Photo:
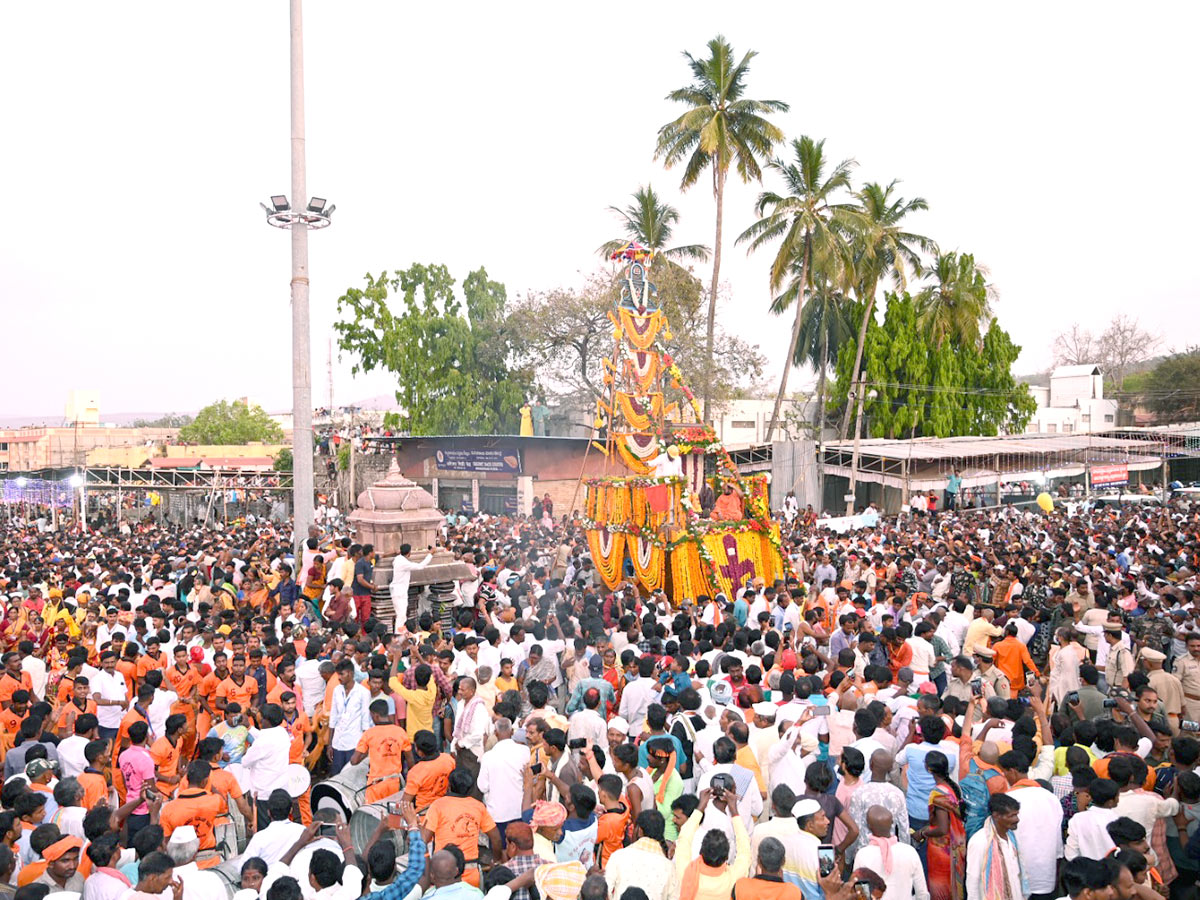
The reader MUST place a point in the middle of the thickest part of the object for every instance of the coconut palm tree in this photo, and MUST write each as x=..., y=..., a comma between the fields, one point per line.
x=721, y=127
x=826, y=324
x=814, y=226
x=651, y=222
x=957, y=304
x=883, y=249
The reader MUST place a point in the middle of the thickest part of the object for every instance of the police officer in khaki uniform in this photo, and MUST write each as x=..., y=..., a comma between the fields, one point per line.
x=990, y=674
x=1187, y=670
x=1119, y=664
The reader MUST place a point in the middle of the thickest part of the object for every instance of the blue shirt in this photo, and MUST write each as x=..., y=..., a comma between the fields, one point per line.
x=741, y=611
x=953, y=483
x=406, y=880
x=920, y=782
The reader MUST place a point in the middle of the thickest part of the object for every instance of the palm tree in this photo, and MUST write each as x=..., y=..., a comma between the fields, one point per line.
x=720, y=127
x=651, y=222
x=826, y=324
x=883, y=249
x=813, y=226
x=957, y=304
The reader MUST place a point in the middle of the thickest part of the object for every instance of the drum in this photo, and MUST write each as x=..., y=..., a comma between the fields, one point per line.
x=298, y=780
x=343, y=792
x=364, y=822
x=230, y=873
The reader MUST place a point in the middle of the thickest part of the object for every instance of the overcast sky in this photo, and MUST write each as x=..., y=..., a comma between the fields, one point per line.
x=1052, y=140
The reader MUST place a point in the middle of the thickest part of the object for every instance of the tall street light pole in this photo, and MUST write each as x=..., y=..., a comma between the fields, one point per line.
x=302, y=432
x=299, y=221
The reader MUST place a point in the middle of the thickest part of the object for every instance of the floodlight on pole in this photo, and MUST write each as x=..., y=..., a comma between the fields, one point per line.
x=299, y=221
x=75, y=481
x=22, y=481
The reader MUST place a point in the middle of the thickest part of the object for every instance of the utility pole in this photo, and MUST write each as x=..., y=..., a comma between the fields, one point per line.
x=302, y=431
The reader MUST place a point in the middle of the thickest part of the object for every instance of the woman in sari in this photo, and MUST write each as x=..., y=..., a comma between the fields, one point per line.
x=945, y=836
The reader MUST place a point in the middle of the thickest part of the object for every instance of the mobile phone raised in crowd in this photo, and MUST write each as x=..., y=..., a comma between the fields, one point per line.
x=536, y=768
x=826, y=859
x=977, y=688
x=862, y=890
x=1072, y=698
x=576, y=743
x=1189, y=725
x=822, y=710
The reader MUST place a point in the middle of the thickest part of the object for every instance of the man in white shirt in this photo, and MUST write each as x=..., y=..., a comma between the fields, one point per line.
x=638, y=695
x=1039, y=833
x=996, y=834
x=70, y=750
x=899, y=865
x=274, y=841
x=349, y=715
x=35, y=667
x=923, y=654
x=501, y=775
x=402, y=569
x=110, y=693
x=267, y=758
x=312, y=674
x=1087, y=831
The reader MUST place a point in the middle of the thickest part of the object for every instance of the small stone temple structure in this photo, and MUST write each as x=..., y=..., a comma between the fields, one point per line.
x=395, y=511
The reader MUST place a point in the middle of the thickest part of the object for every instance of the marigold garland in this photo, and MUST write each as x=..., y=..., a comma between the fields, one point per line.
x=608, y=558
x=648, y=562
x=640, y=412
x=640, y=331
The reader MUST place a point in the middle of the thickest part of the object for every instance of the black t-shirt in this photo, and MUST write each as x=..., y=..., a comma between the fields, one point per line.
x=364, y=568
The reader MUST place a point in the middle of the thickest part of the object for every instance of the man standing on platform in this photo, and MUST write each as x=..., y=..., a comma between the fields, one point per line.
x=402, y=569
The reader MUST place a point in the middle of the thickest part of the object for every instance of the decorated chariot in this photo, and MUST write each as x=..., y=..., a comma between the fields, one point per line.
x=685, y=520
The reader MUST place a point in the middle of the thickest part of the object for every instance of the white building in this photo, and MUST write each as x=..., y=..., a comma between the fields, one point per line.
x=1073, y=402
x=745, y=422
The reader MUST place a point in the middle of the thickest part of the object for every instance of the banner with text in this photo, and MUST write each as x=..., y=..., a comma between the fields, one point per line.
x=1116, y=474
x=507, y=462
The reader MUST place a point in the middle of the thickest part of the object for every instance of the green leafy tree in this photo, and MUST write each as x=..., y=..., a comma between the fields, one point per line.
x=917, y=390
x=283, y=460
x=651, y=223
x=452, y=358
x=224, y=422
x=565, y=334
x=170, y=420
x=1172, y=388
x=957, y=304
x=882, y=249
x=811, y=221
x=721, y=127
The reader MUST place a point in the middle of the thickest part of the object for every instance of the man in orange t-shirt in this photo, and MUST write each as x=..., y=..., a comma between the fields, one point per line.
x=429, y=778
x=299, y=727
x=153, y=658
x=185, y=679
x=12, y=717
x=386, y=745
x=1012, y=658
x=165, y=753
x=209, y=712
x=93, y=779
x=13, y=679
x=198, y=807
x=220, y=781
x=238, y=688
x=458, y=819
x=80, y=704
x=285, y=681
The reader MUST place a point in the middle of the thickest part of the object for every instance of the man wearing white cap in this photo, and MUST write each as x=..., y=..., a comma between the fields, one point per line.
x=800, y=866
x=764, y=735
x=198, y=884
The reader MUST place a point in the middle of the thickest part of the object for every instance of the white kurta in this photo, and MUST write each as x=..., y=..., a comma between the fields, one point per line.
x=402, y=569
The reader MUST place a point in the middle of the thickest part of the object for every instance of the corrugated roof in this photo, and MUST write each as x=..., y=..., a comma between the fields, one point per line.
x=967, y=446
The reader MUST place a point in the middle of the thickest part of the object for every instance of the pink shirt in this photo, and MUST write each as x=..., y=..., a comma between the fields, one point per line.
x=136, y=768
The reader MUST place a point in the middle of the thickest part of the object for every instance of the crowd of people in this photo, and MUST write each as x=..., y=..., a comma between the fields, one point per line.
x=967, y=705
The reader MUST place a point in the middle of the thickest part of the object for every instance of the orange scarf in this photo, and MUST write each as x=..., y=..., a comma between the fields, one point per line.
x=689, y=887
x=661, y=793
